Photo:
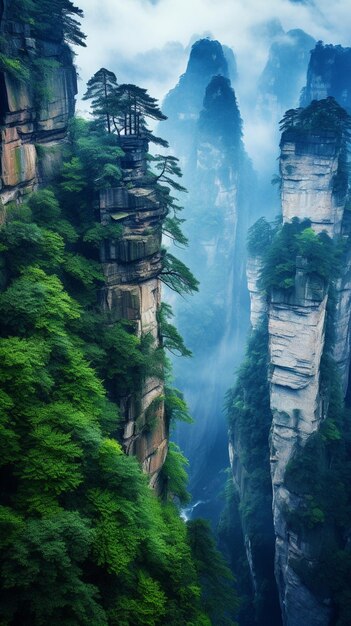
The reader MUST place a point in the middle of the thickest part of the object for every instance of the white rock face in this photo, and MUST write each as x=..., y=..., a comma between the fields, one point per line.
x=342, y=327
x=308, y=166
x=258, y=299
x=296, y=333
x=308, y=169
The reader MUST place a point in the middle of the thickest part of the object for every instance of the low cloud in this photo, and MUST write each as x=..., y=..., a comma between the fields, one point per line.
x=120, y=32
x=147, y=41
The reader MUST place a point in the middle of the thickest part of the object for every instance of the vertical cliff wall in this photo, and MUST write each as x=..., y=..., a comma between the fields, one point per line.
x=310, y=165
x=36, y=104
x=132, y=292
x=299, y=282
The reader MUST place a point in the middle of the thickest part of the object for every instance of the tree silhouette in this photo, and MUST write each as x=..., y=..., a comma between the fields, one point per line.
x=101, y=90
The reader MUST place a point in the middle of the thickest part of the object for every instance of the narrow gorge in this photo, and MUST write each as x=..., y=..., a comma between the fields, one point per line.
x=139, y=488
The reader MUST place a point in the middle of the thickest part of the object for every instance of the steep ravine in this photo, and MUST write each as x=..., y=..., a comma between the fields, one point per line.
x=214, y=323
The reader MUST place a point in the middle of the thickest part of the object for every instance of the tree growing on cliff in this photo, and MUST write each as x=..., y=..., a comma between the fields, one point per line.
x=122, y=109
x=132, y=105
x=101, y=91
x=54, y=19
x=320, y=115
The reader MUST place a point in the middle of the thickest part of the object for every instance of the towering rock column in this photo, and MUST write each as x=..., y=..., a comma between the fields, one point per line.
x=132, y=292
x=310, y=165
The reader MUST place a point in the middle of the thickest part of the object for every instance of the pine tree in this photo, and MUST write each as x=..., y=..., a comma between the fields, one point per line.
x=137, y=105
x=101, y=91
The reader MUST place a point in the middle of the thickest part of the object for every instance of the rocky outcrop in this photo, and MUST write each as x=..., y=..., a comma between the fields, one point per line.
x=258, y=299
x=310, y=165
x=34, y=110
x=131, y=267
x=342, y=326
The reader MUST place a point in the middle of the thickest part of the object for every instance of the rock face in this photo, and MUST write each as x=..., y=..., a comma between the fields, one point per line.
x=329, y=74
x=309, y=164
x=258, y=300
x=342, y=327
x=132, y=292
x=35, y=111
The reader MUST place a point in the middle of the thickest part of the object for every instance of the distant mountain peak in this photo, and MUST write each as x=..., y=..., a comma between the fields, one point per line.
x=207, y=56
x=329, y=74
x=183, y=104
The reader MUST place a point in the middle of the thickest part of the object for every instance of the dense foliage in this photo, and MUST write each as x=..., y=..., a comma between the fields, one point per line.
x=52, y=19
x=250, y=420
x=319, y=116
x=122, y=108
x=282, y=246
x=83, y=538
x=77, y=514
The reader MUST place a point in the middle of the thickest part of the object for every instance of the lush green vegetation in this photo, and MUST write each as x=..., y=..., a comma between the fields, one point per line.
x=122, y=108
x=250, y=420
x=217, y=597
x=319, y=116
x=259, y=237
x=77, y=515
x=52, y=19
x=280, y=246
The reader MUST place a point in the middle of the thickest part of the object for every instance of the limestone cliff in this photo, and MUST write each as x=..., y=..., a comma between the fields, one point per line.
x=258, y=300
x=309, y=165
x=305, y=353
x=34, y=109
x=131, y=266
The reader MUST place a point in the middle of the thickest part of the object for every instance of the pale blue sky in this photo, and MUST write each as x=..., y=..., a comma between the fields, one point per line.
x=126, y=35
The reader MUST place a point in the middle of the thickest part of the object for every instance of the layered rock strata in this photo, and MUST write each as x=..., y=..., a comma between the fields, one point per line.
x=258, y=299
x=34, y=111
x=131, y=266
x=309, y=166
